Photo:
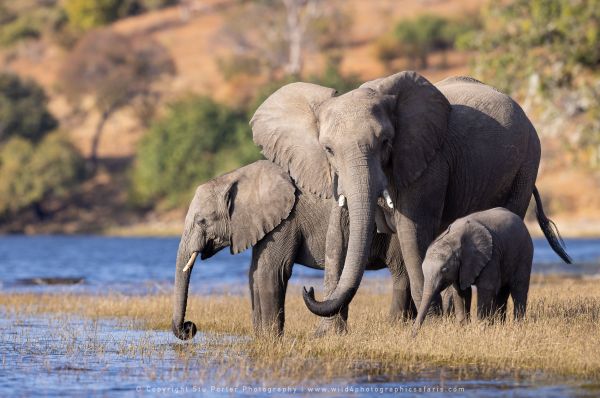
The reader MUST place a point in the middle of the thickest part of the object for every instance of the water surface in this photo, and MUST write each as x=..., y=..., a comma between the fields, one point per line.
x=140, y=264
x=73, y=357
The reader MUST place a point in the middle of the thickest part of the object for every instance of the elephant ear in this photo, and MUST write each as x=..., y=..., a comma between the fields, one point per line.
x=421, y=112
x=259, y=196
x=476, y=252
x=285, y=127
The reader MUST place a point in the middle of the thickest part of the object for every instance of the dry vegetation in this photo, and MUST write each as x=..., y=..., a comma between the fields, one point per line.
x=559, y=336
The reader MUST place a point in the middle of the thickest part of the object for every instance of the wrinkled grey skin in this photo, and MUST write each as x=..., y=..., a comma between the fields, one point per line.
x=441, y=151
x=259, y=206
x=492, y=250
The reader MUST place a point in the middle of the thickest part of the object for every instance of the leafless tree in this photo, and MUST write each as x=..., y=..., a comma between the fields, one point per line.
x=116, y=71
x=278, y=33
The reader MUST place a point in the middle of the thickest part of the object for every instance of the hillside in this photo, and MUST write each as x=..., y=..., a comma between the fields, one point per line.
x=193, y=39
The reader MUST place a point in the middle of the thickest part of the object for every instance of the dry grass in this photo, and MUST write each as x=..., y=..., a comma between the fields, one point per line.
x=561, y=334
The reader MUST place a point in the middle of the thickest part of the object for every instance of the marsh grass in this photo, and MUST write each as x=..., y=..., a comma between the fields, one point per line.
x=561, y=335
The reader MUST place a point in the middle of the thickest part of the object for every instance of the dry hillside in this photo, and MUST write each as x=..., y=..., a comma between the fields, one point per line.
x=192, y=38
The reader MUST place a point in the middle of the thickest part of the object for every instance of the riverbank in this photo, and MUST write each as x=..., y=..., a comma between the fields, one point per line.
x=569, y=227
x=559, y=336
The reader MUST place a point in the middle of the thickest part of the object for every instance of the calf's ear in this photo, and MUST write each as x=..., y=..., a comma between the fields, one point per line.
x=476, y=252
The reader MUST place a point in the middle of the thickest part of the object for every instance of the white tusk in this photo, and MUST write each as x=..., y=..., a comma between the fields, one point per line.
x=342, y=201
x=388, y=199
x=190, y=263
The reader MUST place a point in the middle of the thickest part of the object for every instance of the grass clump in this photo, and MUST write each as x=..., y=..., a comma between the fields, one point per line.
x=559, y=336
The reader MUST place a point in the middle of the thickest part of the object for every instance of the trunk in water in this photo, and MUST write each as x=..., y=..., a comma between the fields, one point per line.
x=183, y=330
x=361, y=210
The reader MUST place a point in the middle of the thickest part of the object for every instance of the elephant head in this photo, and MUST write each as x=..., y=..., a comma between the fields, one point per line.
x=237, y=210
x=458, y=255
x=375, y=139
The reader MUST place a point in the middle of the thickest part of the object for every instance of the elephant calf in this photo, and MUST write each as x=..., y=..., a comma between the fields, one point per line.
x=259, y=206
x=490, y=249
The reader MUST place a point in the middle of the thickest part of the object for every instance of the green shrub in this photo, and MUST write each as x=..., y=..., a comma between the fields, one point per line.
x=30, y=173
x=547, y=51
x=417, y=38
x=21, y=21
x=197, y=139
x=23, y=110
x=87, y=14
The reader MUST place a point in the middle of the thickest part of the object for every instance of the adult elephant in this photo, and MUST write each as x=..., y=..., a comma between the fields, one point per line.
x=258, y=206
x=436, y=153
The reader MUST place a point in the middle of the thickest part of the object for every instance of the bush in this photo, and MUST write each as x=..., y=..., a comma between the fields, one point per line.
x=31, y=174
x=25, y=21
x=547, y=52
x=417, y=38
x=87, y=14
x=197, y=139
x=23, y=110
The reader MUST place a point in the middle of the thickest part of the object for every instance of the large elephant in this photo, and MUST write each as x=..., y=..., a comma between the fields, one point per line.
x=434, y=152
x=259, y=206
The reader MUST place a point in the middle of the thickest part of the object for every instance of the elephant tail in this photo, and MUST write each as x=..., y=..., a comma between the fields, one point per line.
x=550, y=230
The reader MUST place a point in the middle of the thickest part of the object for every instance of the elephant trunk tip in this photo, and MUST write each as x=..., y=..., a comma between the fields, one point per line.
x=326, y=308
x=185, y=331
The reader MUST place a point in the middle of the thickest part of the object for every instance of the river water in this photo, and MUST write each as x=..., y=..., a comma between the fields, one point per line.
x=139, y=264
x=75, y=357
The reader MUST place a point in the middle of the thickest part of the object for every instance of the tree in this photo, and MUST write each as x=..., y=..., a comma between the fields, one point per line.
x=420, y=36
x=33, y=173
x=115, y=70
x=288, y=29
x=195, y=141
x=29, y=19
x=87, y=14
x=23, y=109
x=546, y=52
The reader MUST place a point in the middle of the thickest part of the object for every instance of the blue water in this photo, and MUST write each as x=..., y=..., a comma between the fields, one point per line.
x=74, y=357
x=66, y=357
x=136, y=264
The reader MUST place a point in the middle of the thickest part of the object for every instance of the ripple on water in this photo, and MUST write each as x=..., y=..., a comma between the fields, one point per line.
x=70, y=356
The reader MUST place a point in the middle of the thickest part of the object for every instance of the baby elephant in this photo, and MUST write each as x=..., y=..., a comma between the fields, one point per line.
x=490, y=249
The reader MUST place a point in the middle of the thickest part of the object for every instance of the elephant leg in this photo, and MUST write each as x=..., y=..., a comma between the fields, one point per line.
x=467, y=296
x=485, y=303
x=501, y=303
x=458, y=300
x=254, y=296
x=402, y=308
x=269, y=279
x=418, y=219
x=519, y=296
x=448, y=301
x=335, y=250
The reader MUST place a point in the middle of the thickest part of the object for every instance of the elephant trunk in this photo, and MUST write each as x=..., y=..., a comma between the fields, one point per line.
x=429, y=292
x=362, y=199
x=183, y=271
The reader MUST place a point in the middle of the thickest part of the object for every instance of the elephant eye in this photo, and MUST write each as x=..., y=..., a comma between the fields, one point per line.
x=328, y=150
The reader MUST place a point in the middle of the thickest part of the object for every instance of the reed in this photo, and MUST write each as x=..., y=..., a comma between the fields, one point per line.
x=560, y=335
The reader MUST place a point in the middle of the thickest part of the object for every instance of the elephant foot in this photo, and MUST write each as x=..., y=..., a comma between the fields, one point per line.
x=334, y=325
